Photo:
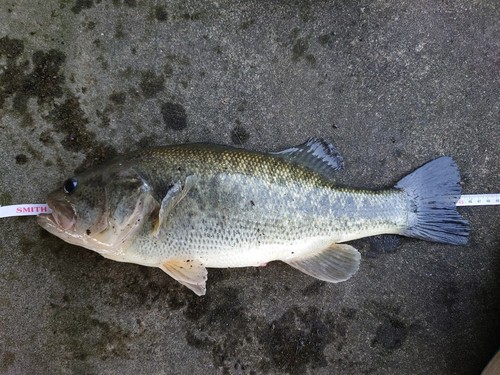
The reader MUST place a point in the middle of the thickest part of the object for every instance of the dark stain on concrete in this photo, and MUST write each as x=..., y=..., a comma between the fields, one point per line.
x=385, y=244
x=97, y=43
x=120, y=31
x=227, y=312
x=84, y=336
x=44, y=82
x=33, y=151
x=78, y=332
x=27, y=120
x=148, y=141
x=174, y=116
x=168, y=70
x=161, y=13
x=346, y=316
x=90, y=25
x=130, y=3
x=192, y=16
x=242, y=106
x=21, y=159
x=299, y=48
x=176, y=298
x=11, y=80
x=314, y=288
x=327, y=40
x=218, y=49
x=81, y=5
x=146, y=287
x=46, y=138
x=68, y=118
x=181, y=60
x=81, y=333
x=5, y=199
x=311, y=59
x=220, y=325
x=104, y=116
x=145, y=291
x=305, y=13
x=297, y=340
x=103, y=62
x=449, y=295
x=151, y=84
x=239, y=135
x=37, y=250
x=391, y=334
x=143, y=288
x=11, y=48
x=246, y=24
x=118, y=98
x=8, y=359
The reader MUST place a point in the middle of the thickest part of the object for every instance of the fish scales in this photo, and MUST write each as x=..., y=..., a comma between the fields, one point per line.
x=247, y=200
x=184, y=208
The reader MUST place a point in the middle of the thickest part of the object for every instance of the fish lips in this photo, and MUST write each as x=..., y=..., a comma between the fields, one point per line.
x=63, y=215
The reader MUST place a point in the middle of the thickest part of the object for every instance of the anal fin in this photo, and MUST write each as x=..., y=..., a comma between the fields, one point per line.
x=189, y=272
x=336, y=263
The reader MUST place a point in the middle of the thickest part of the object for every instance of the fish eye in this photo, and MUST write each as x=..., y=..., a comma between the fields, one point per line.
x=70, y=185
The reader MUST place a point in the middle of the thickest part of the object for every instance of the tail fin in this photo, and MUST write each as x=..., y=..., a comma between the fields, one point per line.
x=433, y=191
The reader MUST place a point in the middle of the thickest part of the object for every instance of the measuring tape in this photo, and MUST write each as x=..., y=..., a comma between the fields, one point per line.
x=24, y=210
x=37, y=209
x=479, y=200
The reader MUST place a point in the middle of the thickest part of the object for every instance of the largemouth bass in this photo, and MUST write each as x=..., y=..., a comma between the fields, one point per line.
x=184, y=208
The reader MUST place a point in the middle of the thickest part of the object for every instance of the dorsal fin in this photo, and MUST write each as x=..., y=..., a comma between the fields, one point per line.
x=316, y=154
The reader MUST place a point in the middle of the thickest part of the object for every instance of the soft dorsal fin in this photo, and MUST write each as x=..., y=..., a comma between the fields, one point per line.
x=316, y=154
x=336, y=263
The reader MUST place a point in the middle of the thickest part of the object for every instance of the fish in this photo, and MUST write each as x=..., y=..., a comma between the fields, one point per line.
x=493, y=366
x=185, y=208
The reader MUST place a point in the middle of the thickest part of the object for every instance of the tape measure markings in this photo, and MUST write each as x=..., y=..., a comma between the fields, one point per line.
x=479, y=200
x=36, y=209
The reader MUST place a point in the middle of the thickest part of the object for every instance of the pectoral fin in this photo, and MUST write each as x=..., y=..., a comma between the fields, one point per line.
x=188, y=272
x=336, y=263
x=174, y=195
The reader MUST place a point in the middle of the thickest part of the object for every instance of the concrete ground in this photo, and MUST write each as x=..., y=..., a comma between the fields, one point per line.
x=394, y=84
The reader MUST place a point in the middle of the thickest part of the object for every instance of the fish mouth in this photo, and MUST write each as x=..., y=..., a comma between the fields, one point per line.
x=63, y=215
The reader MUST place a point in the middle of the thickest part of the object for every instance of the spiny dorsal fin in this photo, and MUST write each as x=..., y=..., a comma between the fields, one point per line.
x=316, y=154
x=336, y=263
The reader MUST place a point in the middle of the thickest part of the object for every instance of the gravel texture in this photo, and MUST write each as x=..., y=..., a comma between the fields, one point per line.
x=394, y=84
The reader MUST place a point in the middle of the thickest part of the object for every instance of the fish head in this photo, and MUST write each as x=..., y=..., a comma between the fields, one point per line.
x=101, y=209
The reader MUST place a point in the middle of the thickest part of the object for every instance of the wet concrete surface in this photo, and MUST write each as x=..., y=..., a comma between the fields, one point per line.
x=394, y=84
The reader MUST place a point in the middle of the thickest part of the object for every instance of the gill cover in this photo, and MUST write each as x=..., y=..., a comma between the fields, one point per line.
x=109, y=207
x=129, y=201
